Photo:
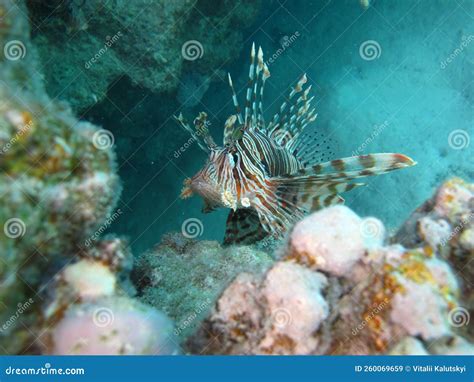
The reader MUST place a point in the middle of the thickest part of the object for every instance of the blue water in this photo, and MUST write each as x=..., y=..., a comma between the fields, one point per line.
x=410, y=92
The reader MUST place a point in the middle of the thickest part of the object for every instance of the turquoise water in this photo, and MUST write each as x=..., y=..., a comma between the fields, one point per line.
x=393, y=77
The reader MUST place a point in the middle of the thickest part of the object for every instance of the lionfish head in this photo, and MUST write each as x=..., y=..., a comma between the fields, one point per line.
x=214, y=181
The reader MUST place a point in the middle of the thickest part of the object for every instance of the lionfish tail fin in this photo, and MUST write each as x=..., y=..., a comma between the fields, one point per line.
x=356, y=167
x=293, y=117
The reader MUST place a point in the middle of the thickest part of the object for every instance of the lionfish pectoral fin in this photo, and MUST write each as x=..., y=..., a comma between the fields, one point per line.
x=202, y=130
x=309, y=193
x=356, y=167
x=208, y=207
x=243, y=227
x=196, y=136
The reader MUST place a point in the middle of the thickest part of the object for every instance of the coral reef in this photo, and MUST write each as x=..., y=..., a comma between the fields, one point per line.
x=103, y=40
x=59, y=187
x=445, y=223
x=89, y=311
x=340, y=289
x=193, y=273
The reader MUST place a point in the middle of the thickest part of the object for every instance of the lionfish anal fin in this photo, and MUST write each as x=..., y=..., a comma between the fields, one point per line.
x=243, y=227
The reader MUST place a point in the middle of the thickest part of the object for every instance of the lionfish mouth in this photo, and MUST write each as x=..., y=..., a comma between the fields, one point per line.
x=186, y=191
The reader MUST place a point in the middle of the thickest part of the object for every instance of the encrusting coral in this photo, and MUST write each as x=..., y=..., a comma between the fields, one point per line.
x=340, y=289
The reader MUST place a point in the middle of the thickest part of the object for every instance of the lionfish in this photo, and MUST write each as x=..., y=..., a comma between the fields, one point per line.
x=263, y=172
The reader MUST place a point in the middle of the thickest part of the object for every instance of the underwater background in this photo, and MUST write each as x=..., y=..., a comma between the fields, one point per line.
x=395, y=76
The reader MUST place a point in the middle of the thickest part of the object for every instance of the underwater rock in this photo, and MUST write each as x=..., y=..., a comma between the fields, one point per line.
x=445, y=224
x=192, y=272
x=276, y=314
x=404, y=292
x=88, y=312
x=295, y=309
x=452, y=345
x=149, y=41
x=89, y=279
x=334, y=239
x=112, y=325
x=409, y=346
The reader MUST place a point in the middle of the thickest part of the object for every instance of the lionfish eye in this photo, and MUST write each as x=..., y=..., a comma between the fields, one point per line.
x=233, y=158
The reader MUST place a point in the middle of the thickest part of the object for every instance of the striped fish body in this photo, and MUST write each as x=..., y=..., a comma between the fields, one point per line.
x=263, y=171
x=239, y=176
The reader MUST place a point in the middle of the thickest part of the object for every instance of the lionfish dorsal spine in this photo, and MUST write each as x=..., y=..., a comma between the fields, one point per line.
x=235, y=100
x=248, y=97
